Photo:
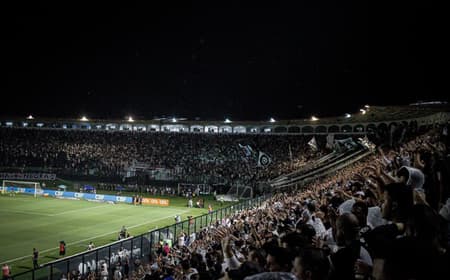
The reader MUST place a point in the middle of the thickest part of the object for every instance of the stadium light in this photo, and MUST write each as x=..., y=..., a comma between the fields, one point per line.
x=313, y=118
x=174, y=120
x=363, y=111
x=227, y=120
x=84, y=119
x=130, y=119
x=272, y=120
x=347, y=115
x=30, y=117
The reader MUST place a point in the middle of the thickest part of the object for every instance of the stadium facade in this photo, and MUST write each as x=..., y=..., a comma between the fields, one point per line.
x=372, y=119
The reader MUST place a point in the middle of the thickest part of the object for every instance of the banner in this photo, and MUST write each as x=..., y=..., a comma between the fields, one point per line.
x=76, y=195
x=155, y=201
x=89, y=196
x=27, y=176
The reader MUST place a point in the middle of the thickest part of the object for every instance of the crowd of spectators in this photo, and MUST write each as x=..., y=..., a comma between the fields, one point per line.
x=103, y=153
x=385, y=217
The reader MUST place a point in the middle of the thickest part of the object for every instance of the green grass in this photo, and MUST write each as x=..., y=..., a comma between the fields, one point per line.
x=28, y=222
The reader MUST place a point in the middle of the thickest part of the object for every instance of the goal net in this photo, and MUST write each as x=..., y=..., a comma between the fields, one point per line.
x=236, y=193
x=13, y=187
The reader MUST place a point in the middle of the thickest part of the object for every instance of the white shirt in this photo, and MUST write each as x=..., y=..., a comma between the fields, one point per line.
x=192, y=237
x=181, y=241
x=117, y=275
x=104, y=274
x=318, y=226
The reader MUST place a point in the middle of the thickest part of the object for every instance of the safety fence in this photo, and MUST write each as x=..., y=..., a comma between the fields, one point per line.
x=137, y=250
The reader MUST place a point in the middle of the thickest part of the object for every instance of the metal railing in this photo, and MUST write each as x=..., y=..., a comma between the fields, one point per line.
x=137, y=250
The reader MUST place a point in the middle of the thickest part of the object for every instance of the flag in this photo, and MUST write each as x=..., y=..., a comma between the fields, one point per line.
x=290, y=152
x=402, y=136
x=391, y=134
x=346, y=144
x=330, y=141
x=313, y=144
x=263, y=159
x=248, y=151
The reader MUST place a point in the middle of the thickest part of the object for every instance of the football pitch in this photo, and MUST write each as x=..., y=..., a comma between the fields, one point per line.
x=28, y=222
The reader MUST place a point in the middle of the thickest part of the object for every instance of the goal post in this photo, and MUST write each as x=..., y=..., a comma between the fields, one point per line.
x=12, y=186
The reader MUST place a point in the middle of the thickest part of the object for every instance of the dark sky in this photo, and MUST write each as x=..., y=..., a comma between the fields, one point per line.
x=242, y=62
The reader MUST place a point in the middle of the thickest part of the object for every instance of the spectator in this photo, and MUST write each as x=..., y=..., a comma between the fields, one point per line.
x=91, y=246
x=311, y=264
x=351, y=251
x=62, y=248
x=104, y=272
x=278, y=260
x=6, y=271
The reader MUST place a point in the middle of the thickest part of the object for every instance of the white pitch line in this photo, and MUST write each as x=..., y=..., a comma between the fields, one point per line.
x=50, y=215
x=77, y=210
x=91, y=238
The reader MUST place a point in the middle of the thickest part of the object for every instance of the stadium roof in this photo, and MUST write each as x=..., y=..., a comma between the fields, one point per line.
x=373, y=114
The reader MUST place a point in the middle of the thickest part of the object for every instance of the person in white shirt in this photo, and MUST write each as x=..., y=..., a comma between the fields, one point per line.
x=181, y=240
x=104, y=272
x=117, y=274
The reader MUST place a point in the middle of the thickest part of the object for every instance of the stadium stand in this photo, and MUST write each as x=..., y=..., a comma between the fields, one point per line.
x=374, y=218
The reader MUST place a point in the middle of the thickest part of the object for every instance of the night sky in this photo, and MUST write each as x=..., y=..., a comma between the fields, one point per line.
x=241, y=62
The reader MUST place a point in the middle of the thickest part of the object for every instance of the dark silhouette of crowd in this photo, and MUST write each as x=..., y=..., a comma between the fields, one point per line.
x=385, y=217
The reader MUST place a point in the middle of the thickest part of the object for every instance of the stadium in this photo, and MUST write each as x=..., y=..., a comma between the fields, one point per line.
x=135, y=188
x=151, y=140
